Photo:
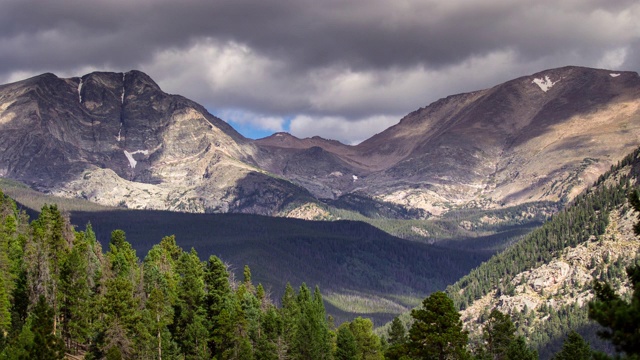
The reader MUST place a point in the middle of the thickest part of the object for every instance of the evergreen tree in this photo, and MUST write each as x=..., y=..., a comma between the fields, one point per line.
x=18, y=348
x=161, y=286
x=397, y=339
x=290, y=312
x=246, y=274
x=46, y=345
x=75, y=292
x=122, y=257
x=311, y=339
x=621, y=319
x=437, y=330
x=498, y=333
x=230, y=330
x=574, y=348
x=218, y=292
x=369, y=347
x=518, y=349
x=5, y=309
x=191, y=327
x=346, y=346
x=45, y=254
x=194, y=340
x=161, y=315
x=270, y=344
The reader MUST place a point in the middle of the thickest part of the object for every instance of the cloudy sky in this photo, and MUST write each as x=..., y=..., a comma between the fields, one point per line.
x=341, y=69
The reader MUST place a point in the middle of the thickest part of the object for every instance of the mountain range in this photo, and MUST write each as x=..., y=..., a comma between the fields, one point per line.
x=117, y=139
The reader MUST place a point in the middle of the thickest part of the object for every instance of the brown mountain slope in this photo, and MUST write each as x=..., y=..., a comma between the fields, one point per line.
x=539, y=137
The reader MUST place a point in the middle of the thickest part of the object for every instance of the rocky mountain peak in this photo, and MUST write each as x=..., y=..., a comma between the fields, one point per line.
x=541, y=137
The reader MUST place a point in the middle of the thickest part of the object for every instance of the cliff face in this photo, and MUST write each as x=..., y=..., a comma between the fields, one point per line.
x=117, y=139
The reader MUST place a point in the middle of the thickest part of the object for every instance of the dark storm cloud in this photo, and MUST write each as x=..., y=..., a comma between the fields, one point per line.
x=319, y=58
x=357, y=34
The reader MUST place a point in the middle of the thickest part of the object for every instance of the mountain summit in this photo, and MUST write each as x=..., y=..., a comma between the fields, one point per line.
x=540, y=137
x=117, y=139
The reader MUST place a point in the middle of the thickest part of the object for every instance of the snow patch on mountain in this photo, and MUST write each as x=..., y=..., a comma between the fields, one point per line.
x=132, y=161
x=544, y=83
x=124, y=75
x=613, y=75
x=80, y=91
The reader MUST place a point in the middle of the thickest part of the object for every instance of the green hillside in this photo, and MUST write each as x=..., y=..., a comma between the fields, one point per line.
x=583, y=227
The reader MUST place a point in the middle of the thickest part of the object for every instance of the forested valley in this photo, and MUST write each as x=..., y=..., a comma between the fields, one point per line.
x=62, y=294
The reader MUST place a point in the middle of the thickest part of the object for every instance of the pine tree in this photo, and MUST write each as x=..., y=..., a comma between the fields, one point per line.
x=346, y=346
x=621, y=319
x=5, y=309
x=369, y=347
x=518, y=349
x=191, y=327
x=75, y=291
x=290, y=312
x=161, y=314
x=19, y=347
x=498, y=333
x=121, y=332
x=311, y=339
x=397, y=339
x=122, y=257
x=218, y=293
x=437, y=330
x=270, y=344
x=46, y=345
x=574, y=348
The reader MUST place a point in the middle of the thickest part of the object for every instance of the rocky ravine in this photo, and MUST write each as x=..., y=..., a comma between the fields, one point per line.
x=117, y=139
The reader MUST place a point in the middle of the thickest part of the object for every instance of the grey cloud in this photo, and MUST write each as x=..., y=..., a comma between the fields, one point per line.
x=302, y=51
x=307, y=33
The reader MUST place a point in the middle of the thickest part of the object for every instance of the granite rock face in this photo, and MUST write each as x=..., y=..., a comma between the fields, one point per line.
x=117, y=139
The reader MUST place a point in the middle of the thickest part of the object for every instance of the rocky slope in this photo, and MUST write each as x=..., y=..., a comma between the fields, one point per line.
x=545, y=281
x=541, y=137
x=566, y=280
x=117, y=139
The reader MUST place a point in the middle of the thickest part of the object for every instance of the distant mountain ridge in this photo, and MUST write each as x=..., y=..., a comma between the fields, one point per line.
x=539, y=137
x=118, y=140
